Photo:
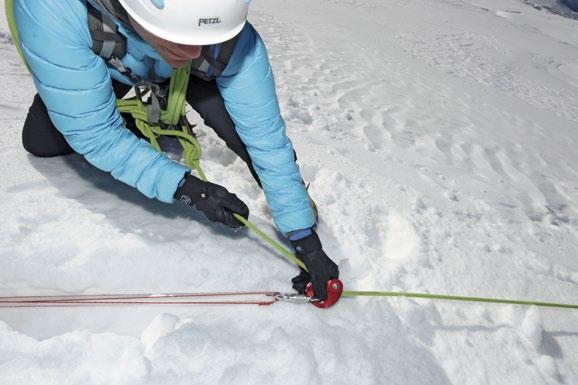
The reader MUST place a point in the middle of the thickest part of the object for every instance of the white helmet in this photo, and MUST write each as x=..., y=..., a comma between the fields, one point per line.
x=191, y=22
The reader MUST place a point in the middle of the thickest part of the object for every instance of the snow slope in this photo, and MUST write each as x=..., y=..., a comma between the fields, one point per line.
x=440, y=137
x=566, y=8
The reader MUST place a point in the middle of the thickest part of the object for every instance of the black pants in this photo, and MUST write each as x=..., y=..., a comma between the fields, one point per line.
x=40, y=137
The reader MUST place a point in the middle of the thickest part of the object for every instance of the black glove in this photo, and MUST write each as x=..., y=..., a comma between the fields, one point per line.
x=213, y=200
x=321, y=268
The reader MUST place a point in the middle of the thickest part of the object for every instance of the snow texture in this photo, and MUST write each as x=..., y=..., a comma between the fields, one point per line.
x=566, y=8
x=440, y=138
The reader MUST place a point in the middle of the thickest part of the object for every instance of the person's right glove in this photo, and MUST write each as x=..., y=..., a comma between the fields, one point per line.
x=215, y=201
x=321, y=268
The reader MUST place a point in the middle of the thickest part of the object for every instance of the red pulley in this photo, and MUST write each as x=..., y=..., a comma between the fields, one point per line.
x=334, y=291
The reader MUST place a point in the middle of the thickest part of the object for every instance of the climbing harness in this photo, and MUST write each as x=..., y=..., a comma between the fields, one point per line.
x=104, y=17
x=107, y=42
x=153, y=121
x=161, y=112
x=155, y=115
x=157, y=111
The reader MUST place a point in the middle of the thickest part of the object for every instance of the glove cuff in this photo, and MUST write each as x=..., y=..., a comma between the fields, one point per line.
x=190, y=190
x=309, y=244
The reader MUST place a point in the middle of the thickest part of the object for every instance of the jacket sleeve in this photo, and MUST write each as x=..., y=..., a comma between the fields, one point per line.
x=76, y=87
x=248, y=88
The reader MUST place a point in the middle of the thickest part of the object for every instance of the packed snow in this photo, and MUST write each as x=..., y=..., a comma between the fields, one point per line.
x=440, y=138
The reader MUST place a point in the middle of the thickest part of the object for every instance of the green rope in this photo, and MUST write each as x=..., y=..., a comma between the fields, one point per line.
x=174, y=116
x=178, y=93
x=277, y=246
x=273, y=243
x=455, y=298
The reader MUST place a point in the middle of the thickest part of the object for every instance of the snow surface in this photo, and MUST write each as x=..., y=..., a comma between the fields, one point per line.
x=567, y=8
x=441, y=139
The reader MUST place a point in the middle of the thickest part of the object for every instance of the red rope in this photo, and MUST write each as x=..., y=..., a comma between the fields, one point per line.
x=134, y=299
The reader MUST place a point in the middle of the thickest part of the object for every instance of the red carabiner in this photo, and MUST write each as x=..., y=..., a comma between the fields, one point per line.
x=334, y=291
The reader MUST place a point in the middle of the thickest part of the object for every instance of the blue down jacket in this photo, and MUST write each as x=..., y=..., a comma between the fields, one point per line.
x=75, y=84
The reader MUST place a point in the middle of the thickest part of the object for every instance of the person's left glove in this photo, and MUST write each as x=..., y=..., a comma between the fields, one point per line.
x=215, y=201
x=321, y=268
